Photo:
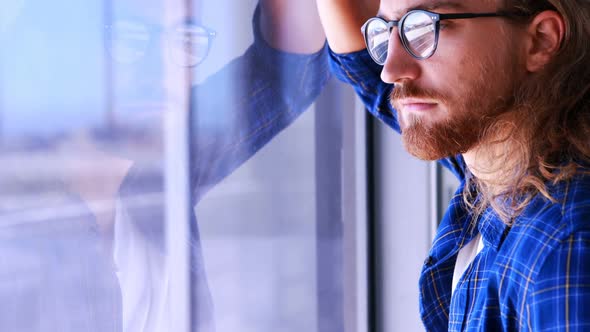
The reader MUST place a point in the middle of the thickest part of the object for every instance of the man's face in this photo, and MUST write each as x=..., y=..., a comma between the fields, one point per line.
x=144, y=71
x=147, y=76
x=445, y=102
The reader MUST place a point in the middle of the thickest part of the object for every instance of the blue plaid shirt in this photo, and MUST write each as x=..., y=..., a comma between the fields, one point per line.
x=528, y=277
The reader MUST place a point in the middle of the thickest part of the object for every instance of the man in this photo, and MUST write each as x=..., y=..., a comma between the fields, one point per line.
x=88, y=252
x=498, y=92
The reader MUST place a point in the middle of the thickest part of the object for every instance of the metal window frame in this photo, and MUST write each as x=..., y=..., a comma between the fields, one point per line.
x=178, y=130
x=341, y=211
x=403, y=215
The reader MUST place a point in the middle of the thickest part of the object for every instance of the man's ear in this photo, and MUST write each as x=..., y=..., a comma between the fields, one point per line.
x=545, y=36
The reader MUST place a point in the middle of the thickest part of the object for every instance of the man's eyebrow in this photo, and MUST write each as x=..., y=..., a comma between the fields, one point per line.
x=428, y=5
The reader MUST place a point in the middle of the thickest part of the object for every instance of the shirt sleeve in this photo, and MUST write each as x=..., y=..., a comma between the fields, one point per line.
x=560, y=298
x=359, y=70
x=254, y=97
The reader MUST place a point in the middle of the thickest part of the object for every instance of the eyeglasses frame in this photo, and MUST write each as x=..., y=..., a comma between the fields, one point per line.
x=436, y=17
x=154, y=30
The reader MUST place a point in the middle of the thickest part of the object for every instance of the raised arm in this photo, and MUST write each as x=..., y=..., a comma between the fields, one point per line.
x=342, y=21
x=260, y=93
x=292, y=26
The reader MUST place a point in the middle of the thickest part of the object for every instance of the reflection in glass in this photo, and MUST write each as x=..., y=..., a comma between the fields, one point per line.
x=188, y=43
x=86, y=162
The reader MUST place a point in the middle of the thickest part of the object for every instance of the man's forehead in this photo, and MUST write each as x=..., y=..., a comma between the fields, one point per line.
x=395, y=9
x=154, y=11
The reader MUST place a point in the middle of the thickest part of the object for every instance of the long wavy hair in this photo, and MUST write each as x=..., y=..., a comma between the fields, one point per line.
x=550, y=140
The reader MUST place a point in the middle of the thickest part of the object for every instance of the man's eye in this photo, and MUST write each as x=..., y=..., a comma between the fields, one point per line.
x=445, y=25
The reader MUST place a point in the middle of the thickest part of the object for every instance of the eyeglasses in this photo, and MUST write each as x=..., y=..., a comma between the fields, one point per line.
x=188, y=44
x=418, y=32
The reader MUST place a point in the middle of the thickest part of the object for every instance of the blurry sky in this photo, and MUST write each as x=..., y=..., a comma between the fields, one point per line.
x=51, y=64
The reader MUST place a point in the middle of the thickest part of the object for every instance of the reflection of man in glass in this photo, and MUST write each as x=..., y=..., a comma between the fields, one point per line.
x=102, y=266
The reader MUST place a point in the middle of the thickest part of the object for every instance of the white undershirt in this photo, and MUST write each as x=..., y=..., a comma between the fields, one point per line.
x=143, y=277
x=465, y=258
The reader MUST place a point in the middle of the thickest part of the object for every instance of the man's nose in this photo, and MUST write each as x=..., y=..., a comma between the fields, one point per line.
x=145, y=72
x=399, y=65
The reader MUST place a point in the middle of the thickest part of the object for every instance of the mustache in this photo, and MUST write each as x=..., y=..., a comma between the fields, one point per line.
x=409, y=90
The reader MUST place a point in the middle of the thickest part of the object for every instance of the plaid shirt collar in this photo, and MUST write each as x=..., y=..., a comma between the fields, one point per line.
x=493, y=231
x=489, y=225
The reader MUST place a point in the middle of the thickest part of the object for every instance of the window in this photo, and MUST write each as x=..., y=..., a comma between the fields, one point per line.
x=146, y=186
x=408, y=203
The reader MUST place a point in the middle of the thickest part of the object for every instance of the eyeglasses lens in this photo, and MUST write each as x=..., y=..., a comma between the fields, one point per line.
x=129, y=41
x=189, y=44
x=377, y=35
x=419, y=33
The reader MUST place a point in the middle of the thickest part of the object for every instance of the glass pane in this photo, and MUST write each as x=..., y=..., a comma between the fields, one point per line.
x=85, y=90
x=164, y=169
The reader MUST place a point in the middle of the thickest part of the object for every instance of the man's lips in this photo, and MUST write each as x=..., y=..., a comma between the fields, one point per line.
x=416, y=105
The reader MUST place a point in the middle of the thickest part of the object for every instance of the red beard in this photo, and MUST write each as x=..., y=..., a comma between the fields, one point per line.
x=461, y=130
